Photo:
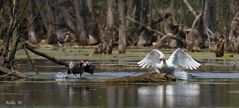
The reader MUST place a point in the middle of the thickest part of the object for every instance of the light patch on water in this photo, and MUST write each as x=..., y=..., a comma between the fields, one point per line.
x=209, y=75
x=100, y=75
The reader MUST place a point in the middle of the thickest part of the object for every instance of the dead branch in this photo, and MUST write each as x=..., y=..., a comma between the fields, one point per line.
x=147, y=27
x=168, y=35
x=51, y=58
x=10, y=72
x=190, y=8
x=196, y=19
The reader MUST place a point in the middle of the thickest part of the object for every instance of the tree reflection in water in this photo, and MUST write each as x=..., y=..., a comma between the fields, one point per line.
x=180, y=94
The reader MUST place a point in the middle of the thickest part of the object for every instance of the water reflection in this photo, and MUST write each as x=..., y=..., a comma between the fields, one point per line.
x=73, y=95
x=170, y=95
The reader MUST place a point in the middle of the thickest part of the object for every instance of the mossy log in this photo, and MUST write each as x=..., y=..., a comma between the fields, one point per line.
x=148, y=77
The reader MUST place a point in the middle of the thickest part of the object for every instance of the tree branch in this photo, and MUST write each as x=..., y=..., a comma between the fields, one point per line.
x=147, y=27
x=51, y=58
x=168, y=35
x=190, y=8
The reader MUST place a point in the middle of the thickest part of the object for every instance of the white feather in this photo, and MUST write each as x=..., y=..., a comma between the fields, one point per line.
x=178, y=59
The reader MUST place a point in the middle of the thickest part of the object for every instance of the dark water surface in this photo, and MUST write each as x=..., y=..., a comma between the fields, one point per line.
x=74, y=95
x=209, y=87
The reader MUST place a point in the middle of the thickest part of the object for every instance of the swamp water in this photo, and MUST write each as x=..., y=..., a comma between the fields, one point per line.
x=206, y=88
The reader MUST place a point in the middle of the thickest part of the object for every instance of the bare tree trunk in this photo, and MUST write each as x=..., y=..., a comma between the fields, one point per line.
x=59, y=21
x=225, y=18
x=80, y=32
x=110, y=14
x=145, y=37
x=91, y=24
x=51, y=28
x=209, y=15
x=31, y=27
x=40, y=8
x=122, y=27
x=172, y=43
x=233, y=44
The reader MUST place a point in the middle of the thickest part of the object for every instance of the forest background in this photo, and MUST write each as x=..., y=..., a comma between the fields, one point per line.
x=108, y=24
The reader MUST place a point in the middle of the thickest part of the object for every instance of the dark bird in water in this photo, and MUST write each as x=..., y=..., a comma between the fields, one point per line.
x=80, y=68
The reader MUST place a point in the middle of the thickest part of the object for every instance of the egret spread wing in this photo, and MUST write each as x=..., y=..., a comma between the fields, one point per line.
x=182, y=59
x=151, y=59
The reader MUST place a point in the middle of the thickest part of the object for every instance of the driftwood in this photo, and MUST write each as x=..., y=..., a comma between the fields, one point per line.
x=10, y=72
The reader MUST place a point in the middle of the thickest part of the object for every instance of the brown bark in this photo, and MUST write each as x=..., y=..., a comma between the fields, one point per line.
x=220, y=47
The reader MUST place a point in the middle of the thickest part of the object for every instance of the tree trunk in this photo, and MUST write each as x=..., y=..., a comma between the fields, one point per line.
x=51, y=27
x=209, y=15
x=225, y=18
x=122, y=27
x=233, y=42
x=145, y=38
x=40, y=7
x=91, y=24
x=31, y=27
x=107, y=34
x=80, y=32
x=66, y=15
x=59, y=22
x=110, y=14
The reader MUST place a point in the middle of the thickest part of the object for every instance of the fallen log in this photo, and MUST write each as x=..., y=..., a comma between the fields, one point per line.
x=51, y=58
x=10, y=72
